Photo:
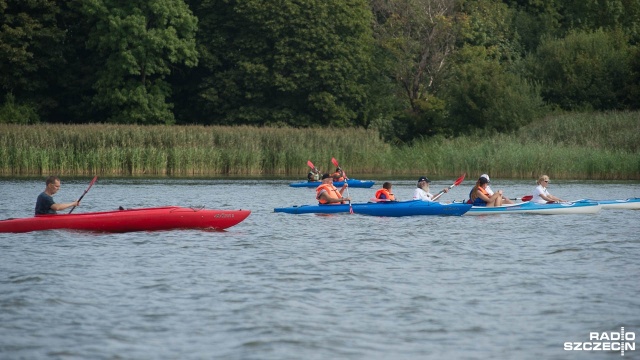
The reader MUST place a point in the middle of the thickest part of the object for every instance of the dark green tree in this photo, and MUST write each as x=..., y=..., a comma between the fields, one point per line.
x=282, y=62
x=483, y=94
x=138, y=42
x=632, y=89
x=29, y=54
x=418, y=36
x=585, y=70
x=623, y=15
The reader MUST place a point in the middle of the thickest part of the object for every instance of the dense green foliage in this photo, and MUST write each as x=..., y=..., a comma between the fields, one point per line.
x=410, y=69
x=578, y=146
x=584, y=70
x=137, y=42
x=292, y=63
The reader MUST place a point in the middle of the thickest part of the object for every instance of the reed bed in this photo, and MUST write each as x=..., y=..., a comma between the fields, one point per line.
x=578, y=146
x=122, y=150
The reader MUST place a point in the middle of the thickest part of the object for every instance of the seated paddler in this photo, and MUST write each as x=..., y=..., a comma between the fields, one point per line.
x=479, y=196
x=313, y=176
x=339, y=175
x=329, y=194
x=385, y=193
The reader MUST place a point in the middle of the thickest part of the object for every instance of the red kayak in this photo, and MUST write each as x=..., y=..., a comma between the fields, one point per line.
x=145, y=219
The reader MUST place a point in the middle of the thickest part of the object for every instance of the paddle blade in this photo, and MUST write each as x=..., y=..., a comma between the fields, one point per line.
x=460, y=180
x=95, y=178
x=310, y=164
x=527, y=198
x=334, y=162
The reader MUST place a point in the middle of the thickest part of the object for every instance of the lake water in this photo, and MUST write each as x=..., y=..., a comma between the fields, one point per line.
x=280, y=286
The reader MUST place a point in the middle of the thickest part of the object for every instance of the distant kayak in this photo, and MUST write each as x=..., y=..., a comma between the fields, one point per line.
x=577, y=207
x=144, y=219
x=354, y=183
x=389, y=208
x=628, y=204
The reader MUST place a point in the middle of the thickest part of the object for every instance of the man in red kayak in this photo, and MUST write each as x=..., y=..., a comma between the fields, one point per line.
x=45, y=204
x=329, y=194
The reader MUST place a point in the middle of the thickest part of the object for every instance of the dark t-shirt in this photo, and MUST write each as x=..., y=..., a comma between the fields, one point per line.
x=43, y=204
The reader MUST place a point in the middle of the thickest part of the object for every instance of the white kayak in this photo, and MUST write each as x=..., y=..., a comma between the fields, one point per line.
x=628, y=204
x=576, y=207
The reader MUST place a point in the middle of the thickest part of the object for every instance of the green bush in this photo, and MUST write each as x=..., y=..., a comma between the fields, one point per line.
x=585, y=70
x=12, y=113
x=483, y=94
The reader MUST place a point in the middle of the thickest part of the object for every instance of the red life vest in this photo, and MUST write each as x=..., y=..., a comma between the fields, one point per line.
x=331, y=191
x=386, y=193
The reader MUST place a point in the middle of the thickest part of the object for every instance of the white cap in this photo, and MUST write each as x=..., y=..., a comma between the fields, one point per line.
x=486, y=177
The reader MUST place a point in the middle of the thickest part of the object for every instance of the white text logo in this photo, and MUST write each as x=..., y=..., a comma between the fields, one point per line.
x=606, y=341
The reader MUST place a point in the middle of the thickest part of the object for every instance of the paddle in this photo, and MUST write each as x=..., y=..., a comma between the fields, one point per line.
x=85, y=192
x=313, y=167
x=456, y=183
x=524, y=198
x=335, y=162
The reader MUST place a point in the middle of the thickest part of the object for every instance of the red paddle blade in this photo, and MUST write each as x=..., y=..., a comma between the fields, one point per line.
x=527, y=197
x=335, y=162
x=310, y=164
x=92, y=182
x=460, y=180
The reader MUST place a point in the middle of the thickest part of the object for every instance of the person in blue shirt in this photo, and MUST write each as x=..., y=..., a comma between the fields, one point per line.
x=45, y=204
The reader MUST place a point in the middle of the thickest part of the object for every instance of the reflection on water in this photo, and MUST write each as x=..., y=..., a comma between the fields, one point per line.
x=281, y=286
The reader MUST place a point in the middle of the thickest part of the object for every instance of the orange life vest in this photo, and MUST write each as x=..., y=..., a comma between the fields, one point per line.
x=473, y=199
x=386, y=193
x=331, y=191
x=338, y=176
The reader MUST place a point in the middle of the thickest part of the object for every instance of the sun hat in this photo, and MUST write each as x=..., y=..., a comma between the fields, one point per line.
x=424, y=179
x=486, y=177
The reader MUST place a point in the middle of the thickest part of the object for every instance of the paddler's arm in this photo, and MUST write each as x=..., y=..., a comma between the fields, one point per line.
x=330, y=200
x=62, y=206
x=446, y=190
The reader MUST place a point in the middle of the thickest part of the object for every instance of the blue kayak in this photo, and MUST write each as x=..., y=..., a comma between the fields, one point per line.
x=576, y=207
x=354, y=183
x=390, y=208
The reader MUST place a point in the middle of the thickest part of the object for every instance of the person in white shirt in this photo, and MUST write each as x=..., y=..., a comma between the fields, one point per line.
x=505, y=200
x=541, y=195
x=422, y=191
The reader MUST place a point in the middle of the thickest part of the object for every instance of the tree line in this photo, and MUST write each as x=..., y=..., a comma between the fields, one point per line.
x=409, y=68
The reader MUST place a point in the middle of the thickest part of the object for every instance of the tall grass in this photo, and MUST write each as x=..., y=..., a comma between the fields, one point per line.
x=577, y=146
x=180, y=151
